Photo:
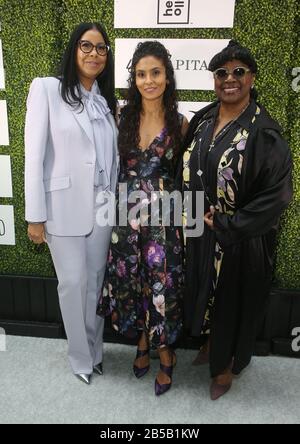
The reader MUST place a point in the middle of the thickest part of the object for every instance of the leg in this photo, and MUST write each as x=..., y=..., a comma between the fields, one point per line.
x=162, y=301
x=142, y=360
x=163, y=380
x=167, y=358
x=69, y=257
x=97, y=248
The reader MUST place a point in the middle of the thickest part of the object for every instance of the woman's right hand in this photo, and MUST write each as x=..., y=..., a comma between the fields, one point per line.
x=36, y=233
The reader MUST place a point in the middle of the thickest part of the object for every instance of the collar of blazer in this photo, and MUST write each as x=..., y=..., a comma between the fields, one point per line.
x=82, y=118
x=85, y=123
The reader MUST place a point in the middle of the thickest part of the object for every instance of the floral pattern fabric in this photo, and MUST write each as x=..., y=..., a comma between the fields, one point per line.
x=229, y=174
x=228, y=177
x=143, y=285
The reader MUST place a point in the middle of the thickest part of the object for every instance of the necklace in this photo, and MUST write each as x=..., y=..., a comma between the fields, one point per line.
x=218, y=136
x=226, y=128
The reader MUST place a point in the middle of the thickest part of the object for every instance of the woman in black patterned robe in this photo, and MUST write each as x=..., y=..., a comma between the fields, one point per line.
x=235, y=153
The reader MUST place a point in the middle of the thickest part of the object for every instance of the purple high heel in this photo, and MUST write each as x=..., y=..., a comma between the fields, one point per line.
x=160, y=389
x=140, y=372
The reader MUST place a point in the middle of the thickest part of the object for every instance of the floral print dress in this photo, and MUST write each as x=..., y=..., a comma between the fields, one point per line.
x=143, y=285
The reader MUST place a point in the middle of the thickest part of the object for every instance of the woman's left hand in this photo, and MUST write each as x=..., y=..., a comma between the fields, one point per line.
x=208, y=218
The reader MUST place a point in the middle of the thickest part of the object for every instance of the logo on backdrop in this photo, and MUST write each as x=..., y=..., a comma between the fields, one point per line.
x=176, y=12
x=296, y=341
x=184, y=64
x=7, y=225
x=153, y=14
x=2, y=228
x=190, y=58
x=2, y=340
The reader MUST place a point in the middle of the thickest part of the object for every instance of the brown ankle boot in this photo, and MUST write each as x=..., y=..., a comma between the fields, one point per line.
x=221, y=384
x=203, y=356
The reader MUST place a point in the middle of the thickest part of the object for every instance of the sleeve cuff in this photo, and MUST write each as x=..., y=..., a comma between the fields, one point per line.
x=219, y=221
x=35, y=223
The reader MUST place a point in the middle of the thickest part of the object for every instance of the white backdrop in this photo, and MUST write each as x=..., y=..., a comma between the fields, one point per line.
x=4, y=135
x=2, y=81
x=5, y=177
x=190, y=59
x=188, y=109
x=7, y=225
x=174, y=13
x=7, y=222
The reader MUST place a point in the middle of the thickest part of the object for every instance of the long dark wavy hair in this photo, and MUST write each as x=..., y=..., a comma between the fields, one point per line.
x=130, y=121
x=68, y=73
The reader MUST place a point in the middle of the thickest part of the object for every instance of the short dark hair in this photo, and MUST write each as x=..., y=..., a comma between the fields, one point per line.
x=68, y=74
x=234, y=51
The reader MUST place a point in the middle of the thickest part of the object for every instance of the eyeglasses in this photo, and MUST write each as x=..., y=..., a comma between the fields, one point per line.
x=88, y=47
x=238, y=73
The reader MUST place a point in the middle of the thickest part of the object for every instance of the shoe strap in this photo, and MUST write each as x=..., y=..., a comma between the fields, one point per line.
x=141, y=353
x=168, y=370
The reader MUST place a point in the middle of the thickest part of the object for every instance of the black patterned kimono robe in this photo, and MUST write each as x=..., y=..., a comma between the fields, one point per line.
x=247, y=175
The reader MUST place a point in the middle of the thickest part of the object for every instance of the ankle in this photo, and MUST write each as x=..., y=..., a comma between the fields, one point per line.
x=225, y=378
x=166, y=356
x=143, y=343
x=205, y=347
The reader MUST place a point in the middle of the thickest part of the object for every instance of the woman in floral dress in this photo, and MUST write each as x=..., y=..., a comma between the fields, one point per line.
x=143, y=286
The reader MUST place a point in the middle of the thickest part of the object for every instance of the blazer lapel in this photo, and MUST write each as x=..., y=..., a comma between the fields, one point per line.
x=85, y=123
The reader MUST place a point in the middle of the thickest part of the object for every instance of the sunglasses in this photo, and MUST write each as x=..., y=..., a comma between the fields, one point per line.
x=88, y=47
x=238, y=73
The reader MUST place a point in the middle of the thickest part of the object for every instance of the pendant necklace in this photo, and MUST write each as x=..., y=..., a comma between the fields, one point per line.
x=226, y=128
x=212, y=145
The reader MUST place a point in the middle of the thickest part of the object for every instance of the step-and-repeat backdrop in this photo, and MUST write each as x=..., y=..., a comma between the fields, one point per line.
x=174, y=14
x=190, y=58
x=7, y=226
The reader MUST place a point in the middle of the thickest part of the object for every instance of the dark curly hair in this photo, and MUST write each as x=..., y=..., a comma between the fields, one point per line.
x=130, y=118
x=235, y=51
